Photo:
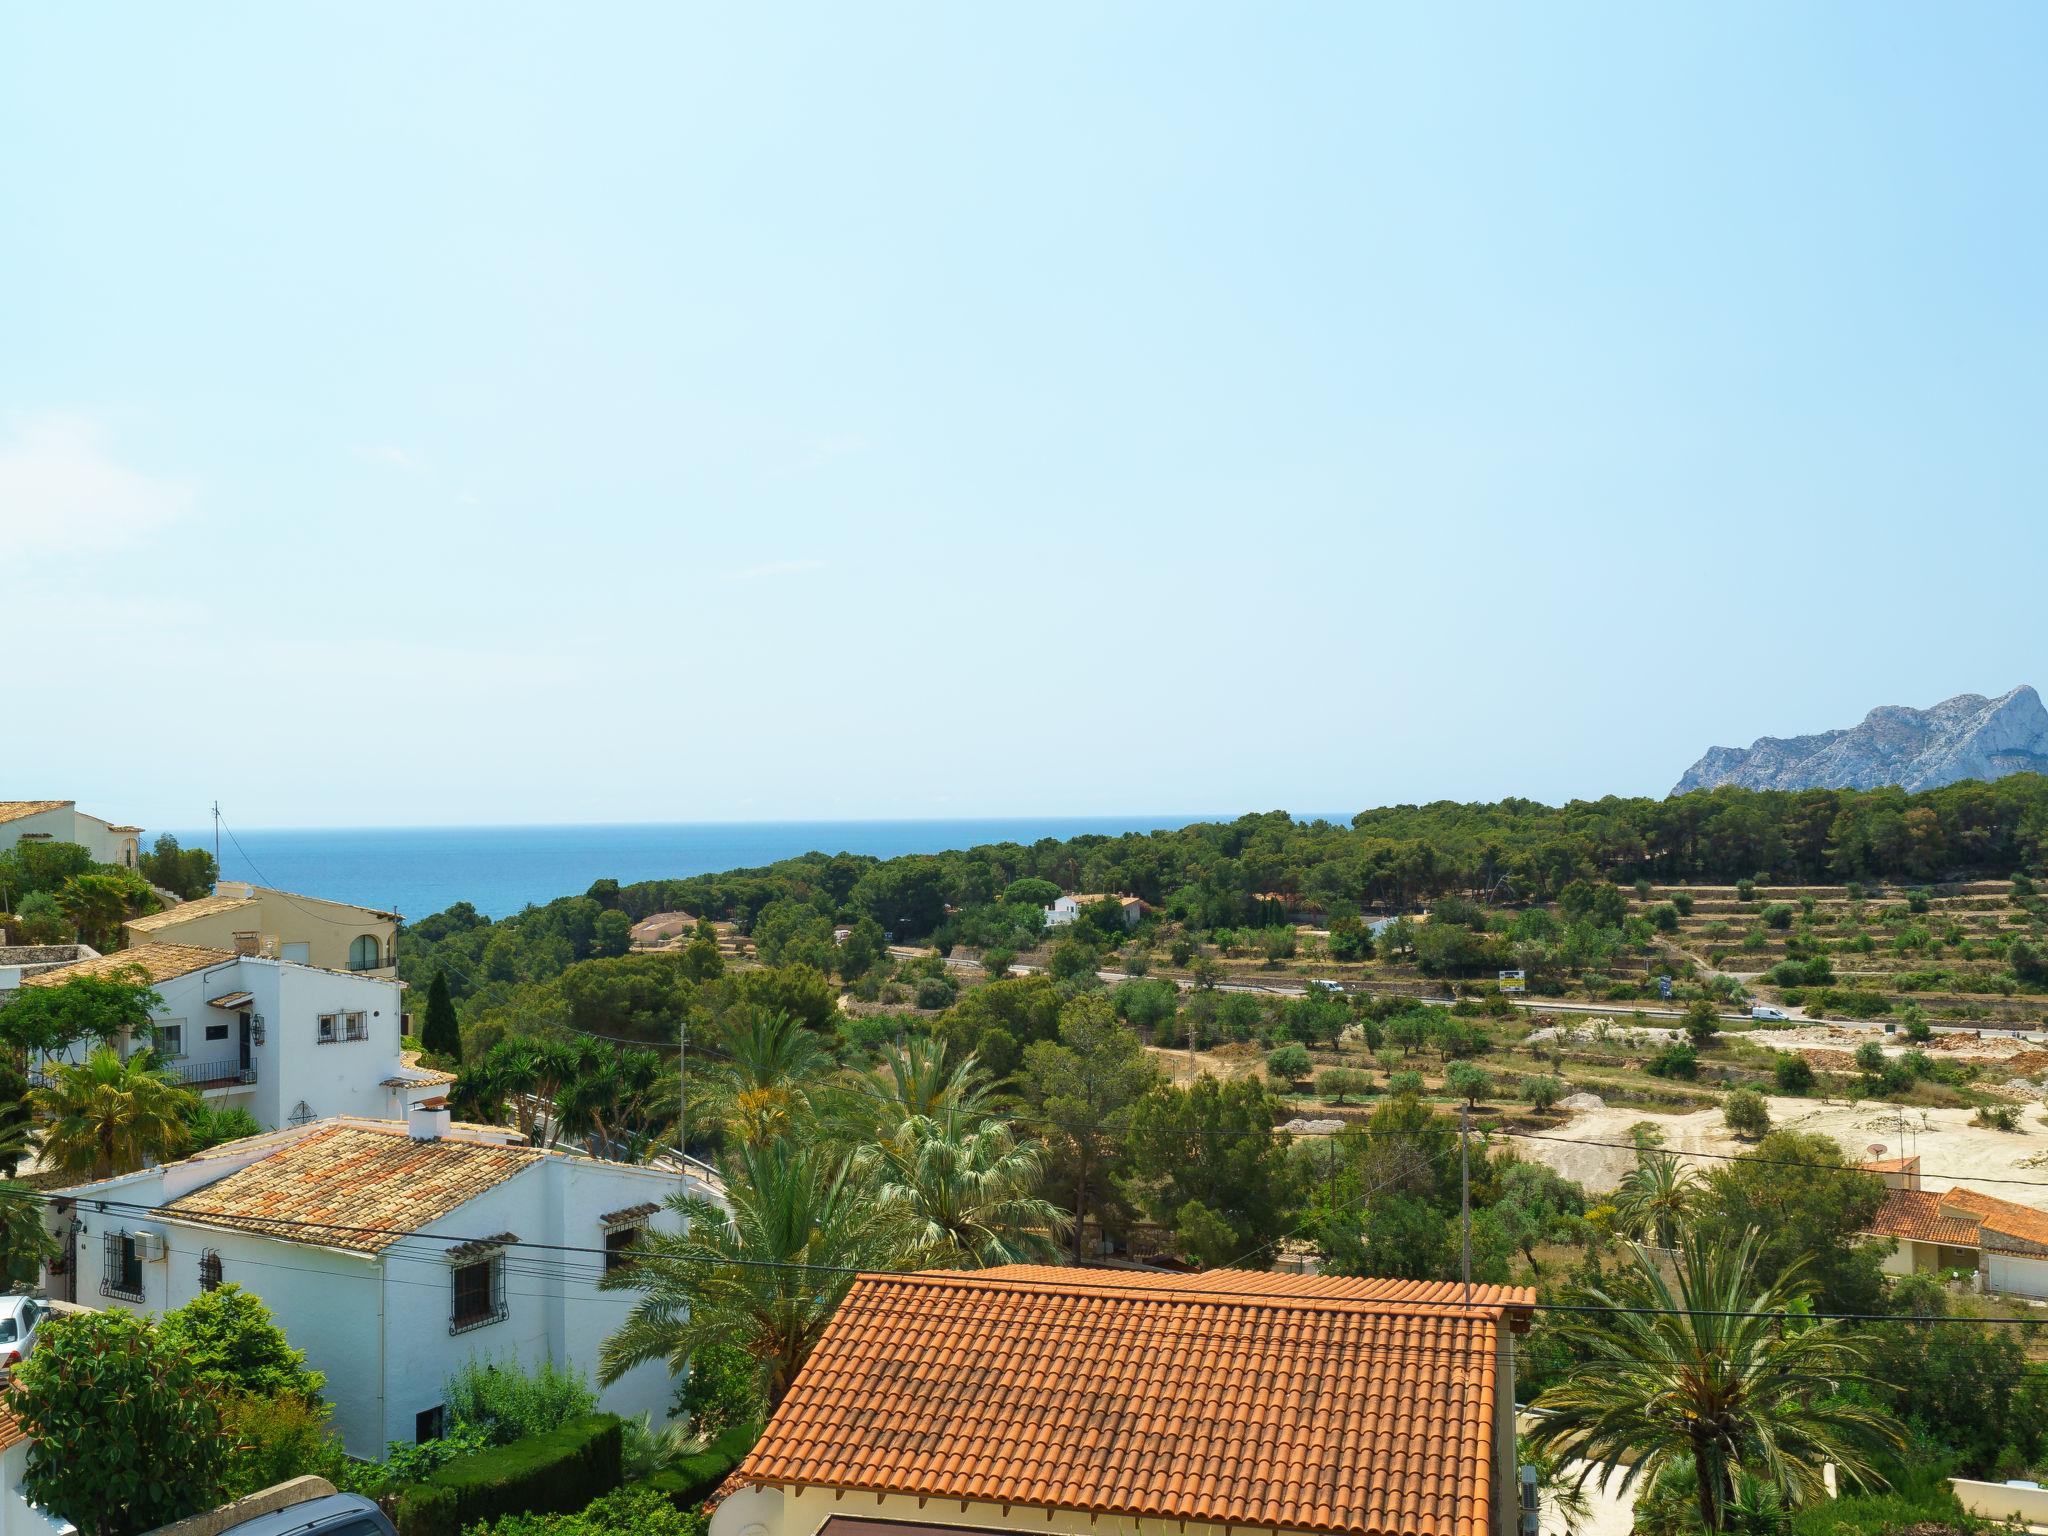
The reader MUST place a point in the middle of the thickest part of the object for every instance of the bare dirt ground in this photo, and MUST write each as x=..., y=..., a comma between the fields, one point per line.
x=1223, y=1063
x=1950, y=1148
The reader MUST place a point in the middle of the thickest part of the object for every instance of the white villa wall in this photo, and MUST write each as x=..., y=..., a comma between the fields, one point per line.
x=2014, y=1275
x=18, y=1517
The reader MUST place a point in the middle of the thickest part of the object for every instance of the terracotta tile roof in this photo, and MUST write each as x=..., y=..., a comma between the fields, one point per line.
x=158, y=962
x=11, y=1432
x=1891, y=1165
x=351, y=1176
x=1997, y=1217
x=186, y=911
x=1292, y=1402
x=15, y=810
x=415, y=1073
x=1916, y=1214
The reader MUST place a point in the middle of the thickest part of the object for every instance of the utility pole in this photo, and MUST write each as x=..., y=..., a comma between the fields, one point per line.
x=216, y=839
x=1465, y=1201
x=683, y=1098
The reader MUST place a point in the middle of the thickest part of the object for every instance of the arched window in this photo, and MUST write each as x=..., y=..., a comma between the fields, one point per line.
x=209, y=1271
x=365, y=954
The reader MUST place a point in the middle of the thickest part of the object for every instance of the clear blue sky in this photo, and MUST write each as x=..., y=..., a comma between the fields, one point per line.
x=544, y=413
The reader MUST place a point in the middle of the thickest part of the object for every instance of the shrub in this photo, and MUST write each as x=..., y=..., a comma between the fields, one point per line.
x=1683, y=901
x=1678, y=1059
x=1289, y=1064
x=1998, y=1117
x=1181, y=950
x=228, y=1338
x=721, y=1391
x=1643, y=889
x=1336, y=1084
x=274, y=1439
x=1746, y=1114
x=1745, y=890
x=1919, y=900
x=689, y=1480
x=563, y=1469
x=635, y=1511
x=1793, y=1073
x=996, y=963
x=1405, y=1083
x=1815, y=972
x=1918, y=1030
x=1777, y=915
x=507, y=1404
x=935, y=992
x=1664, y=917
x=1701, y=1023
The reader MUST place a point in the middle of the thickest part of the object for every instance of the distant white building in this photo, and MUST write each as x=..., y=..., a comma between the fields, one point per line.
x=289, y=1043
x=61, y=821
x=1068, y=908
x=389, y=1253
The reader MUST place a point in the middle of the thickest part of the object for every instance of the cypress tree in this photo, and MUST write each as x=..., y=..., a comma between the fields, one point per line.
x=439, y=1035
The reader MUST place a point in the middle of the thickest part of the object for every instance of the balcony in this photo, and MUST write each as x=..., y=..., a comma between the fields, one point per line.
x=210, y=1074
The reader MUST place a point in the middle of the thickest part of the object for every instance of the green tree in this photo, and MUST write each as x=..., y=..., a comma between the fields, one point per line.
x=763, y=1273
x=230, y=1340
x=1212, y=1147
x=106, y=1009
x=122, y=1435
x=1709, y=1371
x=1080, y=1091
x=25, y=1243
x=1746, y=1113
x=863, y=949
x=1792, y=1073
x=105, y=1116
x=766, y=1069
x=186, y=872
x=1468, y=1082
x=1288, y=1063
x=1336, y=1084
x=1811, y=1209
x=1542, y=1093
x=440, y=1034
x=1702, y=1022
x=97, y=904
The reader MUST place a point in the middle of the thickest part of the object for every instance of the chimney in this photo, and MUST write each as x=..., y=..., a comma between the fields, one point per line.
x=427, y=1121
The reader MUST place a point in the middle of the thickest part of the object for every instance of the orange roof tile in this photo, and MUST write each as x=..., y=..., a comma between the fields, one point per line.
x=1293, y=1402
x=1890, y=1165
x=1916, y=1214
x=11, y=1432
x=349, y=1182
x=157, y=962
x=186, y=911
x=1999, y=1217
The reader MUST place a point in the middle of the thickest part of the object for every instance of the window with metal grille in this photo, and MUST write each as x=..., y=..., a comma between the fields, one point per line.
x=477, y=1294
x=209, y=1271
x=358, y=1026
x=328, y=1023
x=121, y=1269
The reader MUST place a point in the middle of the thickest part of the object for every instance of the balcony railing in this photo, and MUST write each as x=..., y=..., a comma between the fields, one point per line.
x=207, y=1074
x=374, y=965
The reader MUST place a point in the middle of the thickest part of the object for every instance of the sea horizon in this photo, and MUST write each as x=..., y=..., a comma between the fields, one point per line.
x=502, y=869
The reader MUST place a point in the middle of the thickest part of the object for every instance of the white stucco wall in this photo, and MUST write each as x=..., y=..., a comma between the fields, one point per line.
x=68, y=824
x=18, y=1517
x=2014, y=1275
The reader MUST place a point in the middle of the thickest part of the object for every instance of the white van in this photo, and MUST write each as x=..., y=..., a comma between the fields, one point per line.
x=1766, y=1014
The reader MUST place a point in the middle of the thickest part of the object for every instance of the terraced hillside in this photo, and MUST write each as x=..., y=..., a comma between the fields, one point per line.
x=1968, y=953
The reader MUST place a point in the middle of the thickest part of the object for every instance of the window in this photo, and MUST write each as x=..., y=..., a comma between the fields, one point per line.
x=358, y=1025
x=171, y=1039
x=329, y=1022
x=431, y=1424
x=618, y=1242
x=217, y=1031
x=478, y=1293
x=121, y=1272
x=209, y=1271
x=365, y=953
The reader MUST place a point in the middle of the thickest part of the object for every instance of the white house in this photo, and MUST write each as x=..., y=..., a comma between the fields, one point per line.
x=289, y=1043
x=1068, y=908
x=61, y=821
x=389, y=1253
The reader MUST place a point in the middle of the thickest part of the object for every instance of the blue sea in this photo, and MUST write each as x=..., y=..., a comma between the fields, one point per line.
x=499, y=870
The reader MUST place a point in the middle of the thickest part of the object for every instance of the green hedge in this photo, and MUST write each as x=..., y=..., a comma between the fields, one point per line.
x=561, y=1470
x=689, y=1480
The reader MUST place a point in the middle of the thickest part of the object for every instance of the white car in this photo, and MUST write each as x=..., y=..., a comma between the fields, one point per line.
x=20, y=1317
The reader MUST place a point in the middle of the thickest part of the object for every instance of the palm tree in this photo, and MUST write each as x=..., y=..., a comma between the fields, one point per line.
x=766, y=1067
x=1656, y=1199
x=25, y=1243
x=105, y=1116
x=1714, y=1373
x=967, y=1198
x=766, y=1276
x=915, y=1079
